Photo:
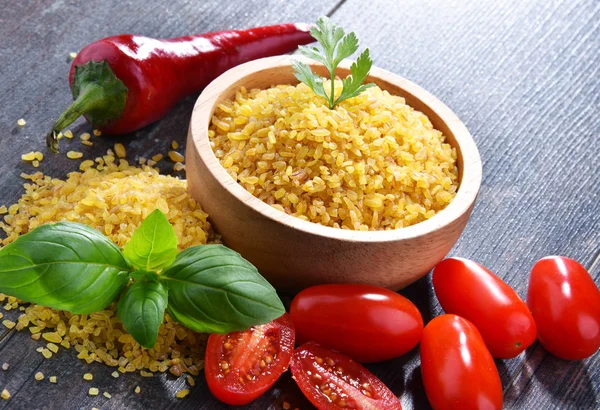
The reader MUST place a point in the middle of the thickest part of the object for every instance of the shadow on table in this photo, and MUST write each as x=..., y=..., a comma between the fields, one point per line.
x=569, y=382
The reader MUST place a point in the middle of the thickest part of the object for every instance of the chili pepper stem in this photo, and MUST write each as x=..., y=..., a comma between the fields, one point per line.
x=90, y=98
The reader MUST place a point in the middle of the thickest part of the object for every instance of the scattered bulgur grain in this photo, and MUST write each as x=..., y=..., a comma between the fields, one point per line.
x=5, y=366
x=72, y=55
x=8, y=323
x=39, y=376
x=93, y=391
x=52, y=379
x=115, y=374
x=182, y=393
x=46, y=353
x=178, y=167
x=176, y=156
x=30, y=156
x=39, y=155
x=21, y=122
x=88, y=143
x=68, y=134
x=39, y=349
x=5, y=394
x=88, y=376
x=120, y=150
x=35, y=163
x=59, y=136
x=83, y=197
x=3, y=210
x=85, y=136
x=174, y=144
x=36, y=336
x=74, y=154
x=107, y=395
x=97, y=133
x=137, y=389
x=157, y=157
x=144, y=373
x=52, y=347
x=191, y=380
x=52, y=337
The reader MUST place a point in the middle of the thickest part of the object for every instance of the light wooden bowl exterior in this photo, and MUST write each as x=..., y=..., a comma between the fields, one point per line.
x=292, y=253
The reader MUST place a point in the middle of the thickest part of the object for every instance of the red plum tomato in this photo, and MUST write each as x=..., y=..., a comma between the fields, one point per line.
x=467, y=289
x=331, y=380
x=240, y=366
x=458, y=369
x=565, y=303
x=367, y=323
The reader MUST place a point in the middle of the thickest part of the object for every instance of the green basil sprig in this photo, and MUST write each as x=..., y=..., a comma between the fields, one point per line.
x=207, y=288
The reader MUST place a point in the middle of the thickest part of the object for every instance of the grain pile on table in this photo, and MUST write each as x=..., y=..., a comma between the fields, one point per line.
x=114, y=197
x=371, y=163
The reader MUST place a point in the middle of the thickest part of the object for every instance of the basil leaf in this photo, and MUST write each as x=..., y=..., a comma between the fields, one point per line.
x=153, y=245
x=142, y=307
x=213, y=289
x=66, y=266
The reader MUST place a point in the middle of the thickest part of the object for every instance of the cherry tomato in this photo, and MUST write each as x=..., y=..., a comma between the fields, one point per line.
x=458, y=370
x=565, y=303
x=367, y=323
x=240, y=366
x=331, y=380
x=467, y=289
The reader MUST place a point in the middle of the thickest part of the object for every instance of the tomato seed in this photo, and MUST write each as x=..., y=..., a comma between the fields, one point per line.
x=269, y=359
x=319, y=360
x=262, y=364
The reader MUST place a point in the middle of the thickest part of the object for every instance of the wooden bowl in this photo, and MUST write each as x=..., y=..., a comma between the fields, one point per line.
x=292, y=253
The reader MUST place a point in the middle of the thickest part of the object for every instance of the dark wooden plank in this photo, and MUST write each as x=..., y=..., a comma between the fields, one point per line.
x=505, y=67
x=523, y=78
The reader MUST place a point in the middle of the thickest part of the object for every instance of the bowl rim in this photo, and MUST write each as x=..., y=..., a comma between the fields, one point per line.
x=461, y=204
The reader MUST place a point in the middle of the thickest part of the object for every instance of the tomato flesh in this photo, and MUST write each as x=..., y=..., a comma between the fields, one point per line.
x=469, y=290
x=458, y=370
x=331, y=380
x=241, y=366
x=565, y=303
x=367, y=323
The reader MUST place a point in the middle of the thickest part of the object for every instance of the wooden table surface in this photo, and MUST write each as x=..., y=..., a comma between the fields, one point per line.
x=522, y=75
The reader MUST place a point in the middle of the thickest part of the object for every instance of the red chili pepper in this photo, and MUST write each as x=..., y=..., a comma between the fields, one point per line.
x=125, y=82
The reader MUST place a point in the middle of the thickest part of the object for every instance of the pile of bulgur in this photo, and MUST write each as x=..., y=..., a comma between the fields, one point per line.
x=114, y=197
x=371, y=163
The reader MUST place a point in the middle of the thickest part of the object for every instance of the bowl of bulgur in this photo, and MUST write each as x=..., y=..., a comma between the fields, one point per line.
x=376, y=190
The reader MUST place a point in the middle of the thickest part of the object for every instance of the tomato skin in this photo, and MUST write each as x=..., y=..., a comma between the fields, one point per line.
x=243, y=356
x=458, y=370
x=323, y=375
x=467, y=289
x=367, y=323
x=565, y=303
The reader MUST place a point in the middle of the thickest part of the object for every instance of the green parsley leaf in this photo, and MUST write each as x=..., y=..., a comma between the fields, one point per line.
x=304, y=74
x=336, y=46
x=142, y=307
x=153, y=245
x=359, y=71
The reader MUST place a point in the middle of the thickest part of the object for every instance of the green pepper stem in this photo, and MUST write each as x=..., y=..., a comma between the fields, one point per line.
x=90, y=98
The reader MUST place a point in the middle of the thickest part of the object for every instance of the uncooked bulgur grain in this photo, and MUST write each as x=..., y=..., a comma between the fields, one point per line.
x=113, y=197
x=372, y=163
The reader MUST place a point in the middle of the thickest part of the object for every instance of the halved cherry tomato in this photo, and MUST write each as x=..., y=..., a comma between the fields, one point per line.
x=467, y=289
x=240, y=366
x=333, y=381
x=565, y=303
x=458, y=370
x=367, y=323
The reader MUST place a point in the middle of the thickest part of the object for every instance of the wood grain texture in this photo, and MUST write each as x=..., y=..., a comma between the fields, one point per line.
x=523, y=77
x=301, y=253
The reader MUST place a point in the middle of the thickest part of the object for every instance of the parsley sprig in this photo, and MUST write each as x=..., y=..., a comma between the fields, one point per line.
x=336, y=45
